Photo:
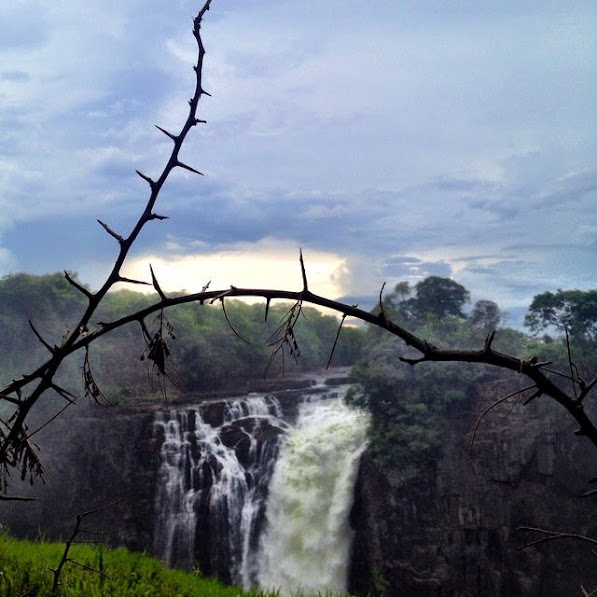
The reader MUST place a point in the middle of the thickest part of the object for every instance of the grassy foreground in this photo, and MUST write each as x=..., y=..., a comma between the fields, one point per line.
x=25, y=572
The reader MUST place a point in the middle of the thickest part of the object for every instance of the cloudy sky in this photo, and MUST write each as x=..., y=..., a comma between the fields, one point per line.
x=390, y=139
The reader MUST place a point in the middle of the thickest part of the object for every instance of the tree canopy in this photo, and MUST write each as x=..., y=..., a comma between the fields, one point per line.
x=574, y=311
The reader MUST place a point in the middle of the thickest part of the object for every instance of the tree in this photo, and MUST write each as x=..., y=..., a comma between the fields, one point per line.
x=574, y=311
x=439, y=296
x=486, y=315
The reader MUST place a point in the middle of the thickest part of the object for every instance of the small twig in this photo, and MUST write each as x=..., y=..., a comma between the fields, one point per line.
x=382, y=312
x=573, y=377
x=490, y=408
x=586, y=390
x=16, y=498
x=46, y=423
x=552, y=535
x=71, y=540
x=230, y=323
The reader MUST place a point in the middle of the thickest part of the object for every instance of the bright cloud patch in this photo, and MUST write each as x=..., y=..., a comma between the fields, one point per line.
x=269, y=263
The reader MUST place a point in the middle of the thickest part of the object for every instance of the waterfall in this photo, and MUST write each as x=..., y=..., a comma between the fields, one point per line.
x=255, y=500
x=211, y=486
x=307, y=541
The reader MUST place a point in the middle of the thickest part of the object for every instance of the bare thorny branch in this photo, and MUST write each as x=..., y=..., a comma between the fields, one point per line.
x=16, y=450
x=77, y=530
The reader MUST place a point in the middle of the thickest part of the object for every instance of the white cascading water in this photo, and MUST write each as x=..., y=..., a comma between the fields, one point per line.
x=307, y=542
x=206, y=487
x=218, y=486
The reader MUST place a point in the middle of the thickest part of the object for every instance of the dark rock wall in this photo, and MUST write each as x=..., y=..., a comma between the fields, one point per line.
x=452, y=530
x=95, y=457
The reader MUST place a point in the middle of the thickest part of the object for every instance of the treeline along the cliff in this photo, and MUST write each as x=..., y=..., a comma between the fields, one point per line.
x=207, y=352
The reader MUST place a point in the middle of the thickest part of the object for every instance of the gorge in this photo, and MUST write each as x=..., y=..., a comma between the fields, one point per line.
x=451, y=530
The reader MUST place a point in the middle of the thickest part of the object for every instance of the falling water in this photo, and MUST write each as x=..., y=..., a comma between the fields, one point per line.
x=226, y=501
x=211, y=486
x=307, y=541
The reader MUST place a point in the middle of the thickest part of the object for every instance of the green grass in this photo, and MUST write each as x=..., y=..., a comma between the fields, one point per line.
x=25, y=571
x=96, y=571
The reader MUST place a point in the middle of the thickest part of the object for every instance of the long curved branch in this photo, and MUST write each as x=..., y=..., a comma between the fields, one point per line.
x=15, y=448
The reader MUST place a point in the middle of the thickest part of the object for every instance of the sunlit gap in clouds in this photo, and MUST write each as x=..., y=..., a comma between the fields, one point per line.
x=269, y=263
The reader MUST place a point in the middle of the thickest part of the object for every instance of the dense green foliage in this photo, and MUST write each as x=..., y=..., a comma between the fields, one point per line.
x=205, y=351
x=434, y=295
x=411, y=406
x=25, y=569
x=571, y=310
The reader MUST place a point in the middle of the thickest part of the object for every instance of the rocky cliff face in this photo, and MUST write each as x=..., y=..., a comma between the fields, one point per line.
x=452, y=531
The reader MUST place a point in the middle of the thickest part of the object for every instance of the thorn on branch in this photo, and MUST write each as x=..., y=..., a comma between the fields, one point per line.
x=267, y=304
x=111, y=232
x=78, y=286
x=303, y=272
x=532, y=397
x=147, y=179
x=131, y=281
x=156, y=284
x=155, y=216
x=335, y=341
x=413, y=362
x=489, y=342
x=167, y=133
x=382, y=312
x=189, y=168
x=588, y=387
x=52, y=349
x=221, y=295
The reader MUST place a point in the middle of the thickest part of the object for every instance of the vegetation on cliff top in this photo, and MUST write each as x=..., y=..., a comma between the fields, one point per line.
x=206, y=353
x=410, y=406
